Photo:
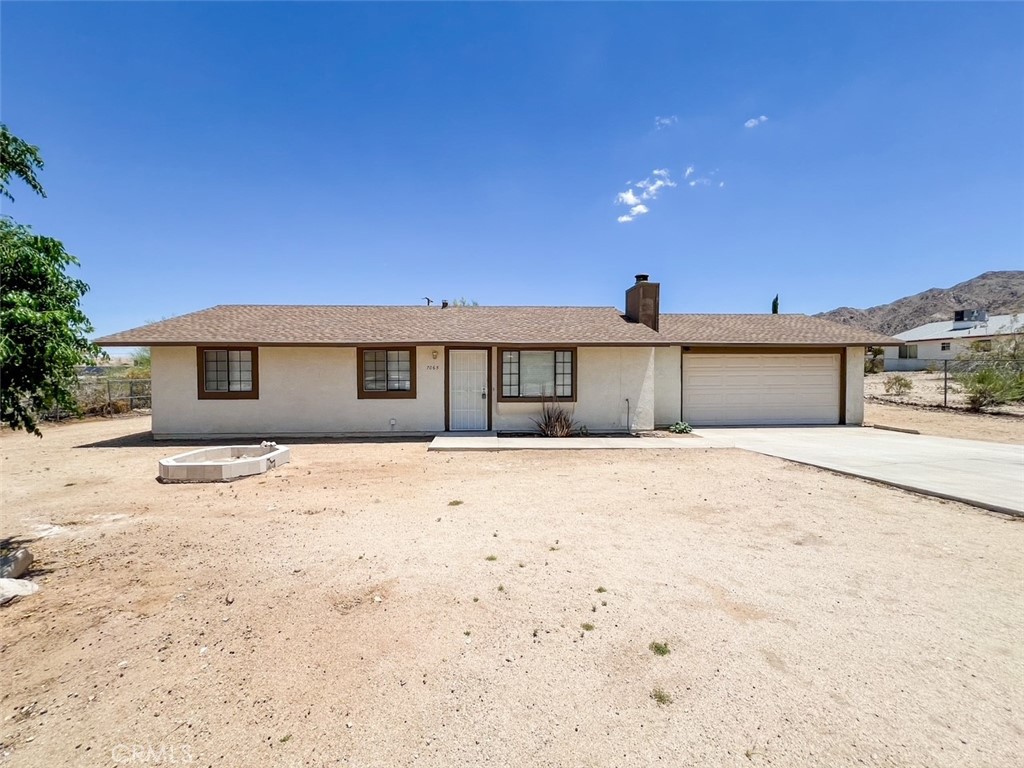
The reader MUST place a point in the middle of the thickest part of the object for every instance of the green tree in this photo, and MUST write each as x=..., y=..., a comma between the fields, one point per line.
x=775, y=305
x=43, y=331
x=18, y=158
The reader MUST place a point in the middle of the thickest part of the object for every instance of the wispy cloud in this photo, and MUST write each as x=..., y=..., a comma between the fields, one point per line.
x=689, y=172
x=755, y=121
x=652, y=185
x=665, y=122
x=704, y=179
x=648, y=190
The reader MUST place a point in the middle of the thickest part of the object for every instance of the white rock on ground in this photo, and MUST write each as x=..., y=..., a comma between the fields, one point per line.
x=12, y=588
x=12, y=566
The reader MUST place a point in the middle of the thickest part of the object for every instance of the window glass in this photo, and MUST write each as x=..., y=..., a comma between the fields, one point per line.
x=228, y=370
x=536, y=373
x=387, y=370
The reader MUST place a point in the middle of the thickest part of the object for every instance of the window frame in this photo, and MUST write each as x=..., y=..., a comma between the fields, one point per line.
x=500, y=388
x=945, y=346
x=908, y=352
x=387, y=394
x=204, y=394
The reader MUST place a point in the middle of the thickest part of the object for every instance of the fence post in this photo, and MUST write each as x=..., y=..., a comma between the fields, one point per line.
x=110, y=405
x=945, y=383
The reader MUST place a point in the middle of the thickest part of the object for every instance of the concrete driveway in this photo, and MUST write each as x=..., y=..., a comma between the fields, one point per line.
x=989, y=475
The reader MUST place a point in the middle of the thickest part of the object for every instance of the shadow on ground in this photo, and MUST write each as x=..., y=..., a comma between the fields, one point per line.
x=145, y=440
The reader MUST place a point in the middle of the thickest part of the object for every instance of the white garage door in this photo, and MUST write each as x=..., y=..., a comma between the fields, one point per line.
x=737, y=389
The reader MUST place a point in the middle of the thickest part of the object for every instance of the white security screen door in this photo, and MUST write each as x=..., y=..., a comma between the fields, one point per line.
x=467, y=389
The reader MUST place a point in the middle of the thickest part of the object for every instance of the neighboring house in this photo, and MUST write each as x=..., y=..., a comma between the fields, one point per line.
x=278, y=371
x=928, y=345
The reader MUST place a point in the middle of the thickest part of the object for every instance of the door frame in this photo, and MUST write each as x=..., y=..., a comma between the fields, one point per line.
x=768, y=350
x=447, y=382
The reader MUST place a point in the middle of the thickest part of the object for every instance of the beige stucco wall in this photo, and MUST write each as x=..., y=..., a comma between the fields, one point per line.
x=855, y=385
x=605, y=378
x=668, y=395
x=303, y=391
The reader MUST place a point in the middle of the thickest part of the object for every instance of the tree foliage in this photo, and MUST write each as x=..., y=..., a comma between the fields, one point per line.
x=775, y=305
x=18, y=158
x=43, y=331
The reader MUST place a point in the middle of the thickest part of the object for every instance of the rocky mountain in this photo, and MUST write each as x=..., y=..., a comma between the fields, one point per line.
x=1001, y=293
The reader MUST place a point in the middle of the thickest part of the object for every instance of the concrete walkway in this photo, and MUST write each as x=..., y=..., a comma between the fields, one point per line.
x=488, y=441
x=989, y=475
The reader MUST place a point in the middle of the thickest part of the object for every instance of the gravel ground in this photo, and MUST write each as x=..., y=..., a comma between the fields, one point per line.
x=342, y=610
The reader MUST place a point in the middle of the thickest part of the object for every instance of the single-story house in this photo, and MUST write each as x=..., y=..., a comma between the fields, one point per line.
x=280, y=371
x=929, y=344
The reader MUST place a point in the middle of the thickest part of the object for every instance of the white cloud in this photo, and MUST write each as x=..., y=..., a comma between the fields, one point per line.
x=660, y=178
x=665, y=122
x=755, y=121
x=652, y=188
x=721, y=184
x=689, y=172
x=627, y=198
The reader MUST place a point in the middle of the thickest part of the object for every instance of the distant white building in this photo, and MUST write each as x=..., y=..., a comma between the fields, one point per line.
x=930, y=344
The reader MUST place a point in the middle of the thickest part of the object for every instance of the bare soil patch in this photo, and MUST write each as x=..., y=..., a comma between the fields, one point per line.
x=998, y=428
x=341, y=610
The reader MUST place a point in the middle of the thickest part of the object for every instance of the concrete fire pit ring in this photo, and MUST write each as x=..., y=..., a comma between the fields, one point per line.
x=223, y=463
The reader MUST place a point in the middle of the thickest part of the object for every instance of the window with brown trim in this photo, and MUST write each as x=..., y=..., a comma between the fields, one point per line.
x=387, y=372
x=538, y=374
x=228, y=373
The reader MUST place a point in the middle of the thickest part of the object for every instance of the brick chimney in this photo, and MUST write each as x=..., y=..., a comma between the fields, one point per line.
x=642, y=302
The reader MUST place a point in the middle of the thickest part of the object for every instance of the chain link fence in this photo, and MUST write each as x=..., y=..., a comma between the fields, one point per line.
x=944, y=382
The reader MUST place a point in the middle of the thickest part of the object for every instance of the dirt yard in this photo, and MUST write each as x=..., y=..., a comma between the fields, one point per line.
x=927, y=390
x=371, y=604
x=998, y=428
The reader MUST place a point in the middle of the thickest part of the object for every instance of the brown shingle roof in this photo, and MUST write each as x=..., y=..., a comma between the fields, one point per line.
x=765, y=329
x=348, y=325
x=358, y=325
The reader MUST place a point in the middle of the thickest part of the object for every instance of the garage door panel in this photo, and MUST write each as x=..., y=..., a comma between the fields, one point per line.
x=761, y=389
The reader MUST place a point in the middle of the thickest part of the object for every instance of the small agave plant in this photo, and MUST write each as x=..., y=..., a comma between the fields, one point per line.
x=555, y=420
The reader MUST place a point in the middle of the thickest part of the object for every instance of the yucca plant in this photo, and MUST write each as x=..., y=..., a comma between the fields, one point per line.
x=555, y=420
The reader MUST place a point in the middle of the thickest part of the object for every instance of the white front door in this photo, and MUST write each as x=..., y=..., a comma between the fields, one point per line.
x=467, y=389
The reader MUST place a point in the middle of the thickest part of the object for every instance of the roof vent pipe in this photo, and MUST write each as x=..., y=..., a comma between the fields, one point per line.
x=642, y=278
x=444, y=303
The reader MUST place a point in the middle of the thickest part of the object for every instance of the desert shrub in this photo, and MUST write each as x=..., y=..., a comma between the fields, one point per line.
x=875, y=361
x=555, y=420
x=897, y=384
x=681, y=428
x=989, y=387
x=991, y=373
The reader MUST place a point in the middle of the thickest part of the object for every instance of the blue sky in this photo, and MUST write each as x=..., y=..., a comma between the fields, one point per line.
x=206, y=153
